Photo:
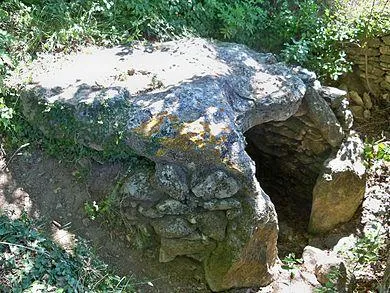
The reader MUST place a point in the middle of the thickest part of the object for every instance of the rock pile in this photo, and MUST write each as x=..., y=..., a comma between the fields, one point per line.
x=360, y=106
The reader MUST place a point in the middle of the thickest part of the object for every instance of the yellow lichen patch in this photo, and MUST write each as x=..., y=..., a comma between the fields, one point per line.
x=233, y=166
x=193, y=127
x=153, y=125
x=200, y=146
x=198, y=138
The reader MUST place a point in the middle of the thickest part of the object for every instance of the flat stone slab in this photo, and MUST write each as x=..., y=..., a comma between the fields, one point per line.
x=187, y=101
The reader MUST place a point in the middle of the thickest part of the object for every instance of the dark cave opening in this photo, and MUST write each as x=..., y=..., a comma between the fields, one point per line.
x=288, y=157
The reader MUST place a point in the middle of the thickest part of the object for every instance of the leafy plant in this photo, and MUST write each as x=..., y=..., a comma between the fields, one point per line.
x=30, y=262
x=376, y=150
x=366, y=250
x=290, y=263
x=6, y=115
x=322, y=44
x=331, y=285
x=94, y=209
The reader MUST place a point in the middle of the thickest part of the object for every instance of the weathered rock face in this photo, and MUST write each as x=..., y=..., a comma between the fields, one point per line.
x=339, y=189
x=185, y=106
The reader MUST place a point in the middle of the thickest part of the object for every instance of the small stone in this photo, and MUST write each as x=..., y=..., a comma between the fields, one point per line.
x=385, y=58
x=367, y=101
x=358, y=112
x=224, y=204
x=149, y=212
x=171, y=207
x=213, y=224
x=345, y=244
x=216, y=185
x=310, y=278
x=354, y=96
x=58, y=206
x=172, y=227
x=385, y=50
x=374, y=43
x=140, y=187
x=386, y=85
x=172, y=180
x=322, y=263
x=367, y=114
x=86, y=222
x=192, y=220
x=385, y=66
x=386, y=39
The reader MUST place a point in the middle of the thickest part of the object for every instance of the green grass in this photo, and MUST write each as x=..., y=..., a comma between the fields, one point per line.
x=30, y=261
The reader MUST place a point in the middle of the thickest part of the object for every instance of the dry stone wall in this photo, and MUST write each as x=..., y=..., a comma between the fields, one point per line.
x=373, y=64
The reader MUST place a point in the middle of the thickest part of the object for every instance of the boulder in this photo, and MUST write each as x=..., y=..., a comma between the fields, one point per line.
x=340, y=187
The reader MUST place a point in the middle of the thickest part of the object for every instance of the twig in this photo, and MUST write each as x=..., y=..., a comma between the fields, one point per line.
x=366, y=48
x=2, y=150
x=26, y=247
x=14, y=154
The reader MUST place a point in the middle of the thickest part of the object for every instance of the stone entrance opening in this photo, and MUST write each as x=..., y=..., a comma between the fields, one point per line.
x=289, y=156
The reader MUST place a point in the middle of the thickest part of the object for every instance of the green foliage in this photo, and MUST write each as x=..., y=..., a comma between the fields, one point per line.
x=376, y=150
x=290, y=263
x=6, y=114
x=322, y=45
x=331, y=285
x=30, y=262
x=94, y=210
x=241, y=21
x=288, y=21
x=366, y=250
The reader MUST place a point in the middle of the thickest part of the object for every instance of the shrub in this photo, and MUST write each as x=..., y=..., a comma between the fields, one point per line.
x=322, y=47
x=30, y=262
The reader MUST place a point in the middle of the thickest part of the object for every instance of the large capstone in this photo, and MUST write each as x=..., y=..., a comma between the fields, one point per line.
x=184, y=106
